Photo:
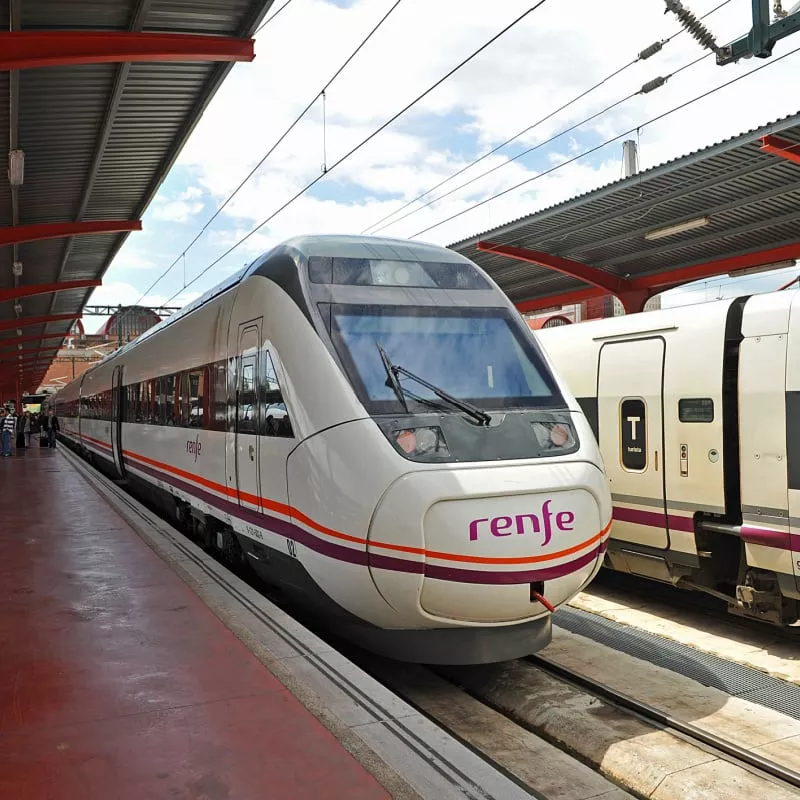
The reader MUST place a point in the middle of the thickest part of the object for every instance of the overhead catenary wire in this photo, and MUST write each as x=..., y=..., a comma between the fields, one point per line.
x=594, y=149
x=276, y=144
x=648, y=52
x=645, y=89
x=270, y=18
x=365, y=141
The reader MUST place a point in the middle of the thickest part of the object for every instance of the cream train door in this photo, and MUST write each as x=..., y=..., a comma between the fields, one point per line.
x=630, y=410
x=248, y=416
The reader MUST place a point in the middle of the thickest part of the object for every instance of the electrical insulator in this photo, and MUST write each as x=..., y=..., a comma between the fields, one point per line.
x=653, y=84
x=692, y=24
x=651, y=50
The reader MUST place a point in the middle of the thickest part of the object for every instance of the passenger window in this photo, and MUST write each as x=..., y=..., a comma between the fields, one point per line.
x=248, y=397
x=182, y=400
x=633, y=434
x=698, y=409
x=276, y=415
x=197, y=390
x=219, y=396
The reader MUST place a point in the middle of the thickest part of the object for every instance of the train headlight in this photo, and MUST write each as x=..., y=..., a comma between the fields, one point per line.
x=554, y=436
x=421, y=442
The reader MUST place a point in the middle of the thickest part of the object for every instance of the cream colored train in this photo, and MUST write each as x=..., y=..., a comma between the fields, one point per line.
x=369, y=425
x=697, y=413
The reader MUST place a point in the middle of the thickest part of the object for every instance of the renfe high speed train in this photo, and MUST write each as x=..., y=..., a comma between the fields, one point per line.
x=370, y=425
x=697, y=412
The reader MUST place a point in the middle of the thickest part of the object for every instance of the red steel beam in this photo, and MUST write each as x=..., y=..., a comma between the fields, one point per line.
x=27, y=360
x=575, y=296
x=6, y=354
x=781, y=147
x=29, y=49
x=13, y=324
x=682, y=275
x=19, y=234
x=637, y=291
x=15, y=340
x=45, y=288
x=591, y=275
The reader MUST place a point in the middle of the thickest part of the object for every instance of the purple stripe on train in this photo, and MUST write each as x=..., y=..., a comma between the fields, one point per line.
x=353, y=556
x=781, y=540
x=771, y=538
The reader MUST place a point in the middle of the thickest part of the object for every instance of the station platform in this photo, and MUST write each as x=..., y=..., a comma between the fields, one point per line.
x=117, y=681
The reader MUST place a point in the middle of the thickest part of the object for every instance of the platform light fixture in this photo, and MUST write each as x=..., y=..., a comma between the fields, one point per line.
x=16, y=269
x=670, y=230
x=16, y=167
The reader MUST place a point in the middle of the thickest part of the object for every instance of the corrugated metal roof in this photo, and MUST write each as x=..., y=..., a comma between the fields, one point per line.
x=751, y=197
x=99, y=139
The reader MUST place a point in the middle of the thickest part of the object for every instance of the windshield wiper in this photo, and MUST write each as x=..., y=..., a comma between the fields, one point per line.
x=393, y=370
x=391, y=379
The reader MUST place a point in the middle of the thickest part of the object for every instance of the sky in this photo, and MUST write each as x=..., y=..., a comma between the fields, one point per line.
x=557, y=52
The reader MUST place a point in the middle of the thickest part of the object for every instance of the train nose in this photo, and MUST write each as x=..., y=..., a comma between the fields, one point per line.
x=491, y=545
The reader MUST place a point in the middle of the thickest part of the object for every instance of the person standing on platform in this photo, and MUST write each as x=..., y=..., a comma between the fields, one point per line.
x=51, y=426
x=9, y=429
x=26, y=427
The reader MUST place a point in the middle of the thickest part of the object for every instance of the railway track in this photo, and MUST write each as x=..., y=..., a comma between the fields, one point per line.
x=722, y=748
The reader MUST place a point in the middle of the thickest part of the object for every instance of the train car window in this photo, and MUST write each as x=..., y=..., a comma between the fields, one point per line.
x=182, y=400
x=633, y=434
x=247, y=408
x=276, y=415
x=196, y=398
x=696, y=409
x=169, y=399
x=219, y=396
x=158, y=402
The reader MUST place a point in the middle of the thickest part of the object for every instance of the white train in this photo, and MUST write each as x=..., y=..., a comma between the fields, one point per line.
x=697, y=413
x=371, y=426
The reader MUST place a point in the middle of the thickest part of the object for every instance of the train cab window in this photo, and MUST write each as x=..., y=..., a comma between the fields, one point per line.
x=276, y=415
x=696, y=409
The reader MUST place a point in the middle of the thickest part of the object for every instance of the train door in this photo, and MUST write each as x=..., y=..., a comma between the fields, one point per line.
x=631, y=437
x=117, y=415
x=247, y=444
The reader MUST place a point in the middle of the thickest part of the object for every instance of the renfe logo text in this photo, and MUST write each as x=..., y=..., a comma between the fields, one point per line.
x=523, y=523
x=193, y=447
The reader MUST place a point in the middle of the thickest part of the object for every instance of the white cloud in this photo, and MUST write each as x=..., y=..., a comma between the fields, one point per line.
x=556, y=53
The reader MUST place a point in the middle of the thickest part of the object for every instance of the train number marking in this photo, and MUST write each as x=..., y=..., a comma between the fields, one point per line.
x=254, y=532
x=291, y=546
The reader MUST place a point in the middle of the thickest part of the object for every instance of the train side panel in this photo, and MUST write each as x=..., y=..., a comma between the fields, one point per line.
x=648, y=380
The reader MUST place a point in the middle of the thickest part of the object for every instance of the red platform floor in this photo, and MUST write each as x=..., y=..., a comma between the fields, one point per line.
x=116, y=681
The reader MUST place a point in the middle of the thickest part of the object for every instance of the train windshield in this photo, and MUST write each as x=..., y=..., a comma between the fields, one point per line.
x=475, y=355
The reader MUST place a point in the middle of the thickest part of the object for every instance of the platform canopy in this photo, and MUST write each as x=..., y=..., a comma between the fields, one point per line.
x=97, y=98
x=729, y=208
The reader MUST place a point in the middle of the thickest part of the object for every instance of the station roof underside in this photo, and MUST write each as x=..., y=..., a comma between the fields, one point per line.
x=742, y=194
x=100, y=96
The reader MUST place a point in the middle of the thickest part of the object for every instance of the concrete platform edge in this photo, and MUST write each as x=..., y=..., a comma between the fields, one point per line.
x=404, y=750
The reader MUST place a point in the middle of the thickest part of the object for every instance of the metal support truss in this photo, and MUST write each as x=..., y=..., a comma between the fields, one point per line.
x=762, y=37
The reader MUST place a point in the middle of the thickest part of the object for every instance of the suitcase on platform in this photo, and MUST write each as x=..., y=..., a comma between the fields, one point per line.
x=42, y=441
x=21, y=441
